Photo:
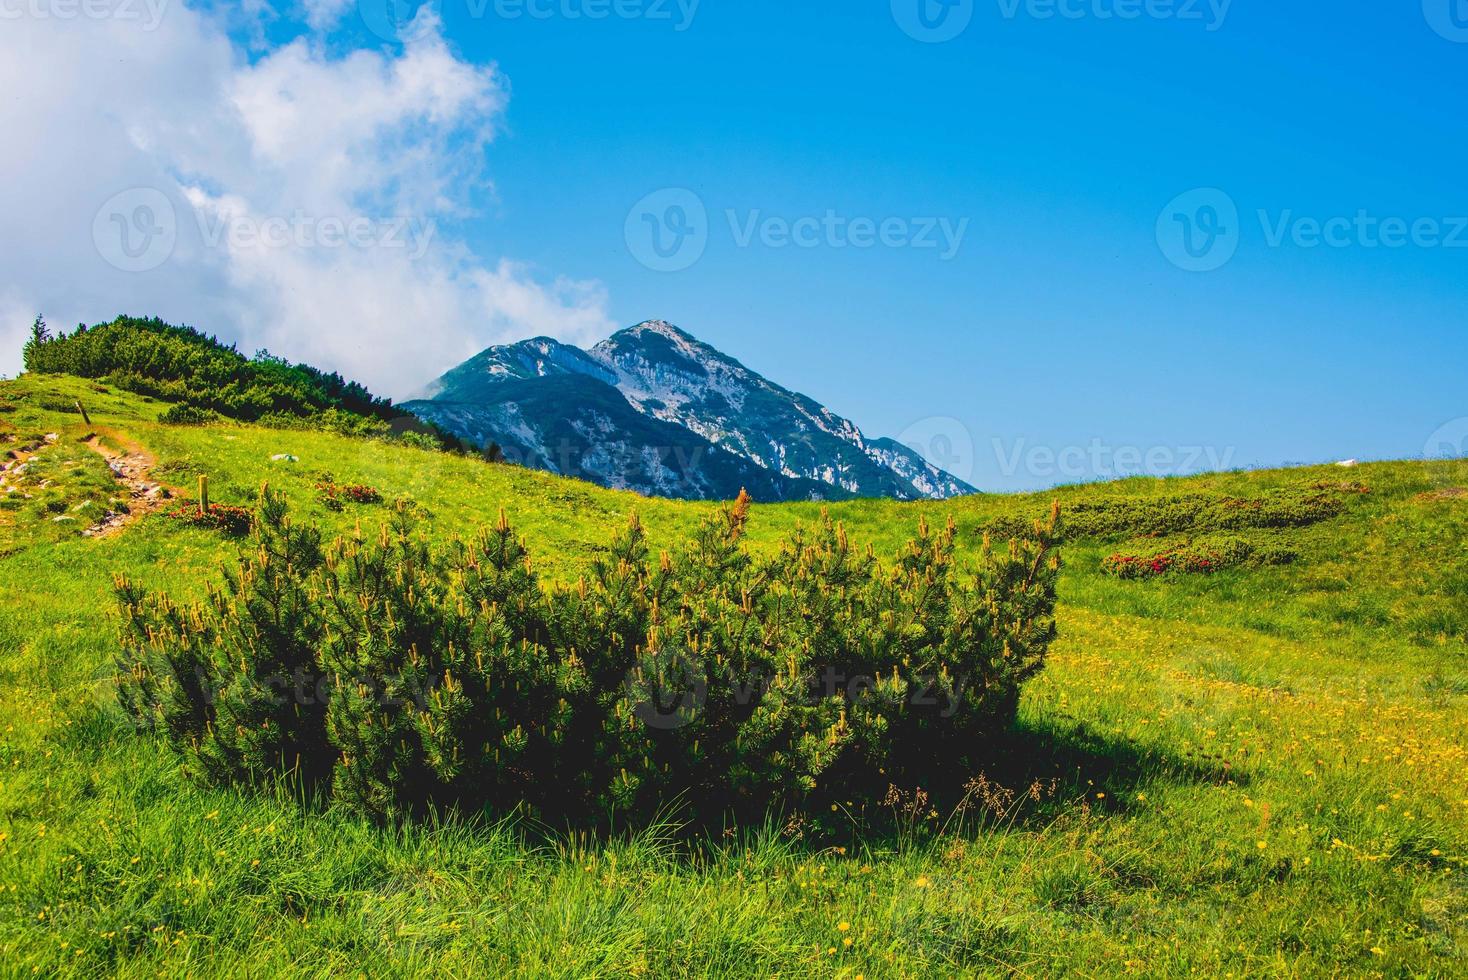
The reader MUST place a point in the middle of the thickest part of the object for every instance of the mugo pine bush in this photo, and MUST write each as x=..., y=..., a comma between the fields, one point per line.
x=399, y=678
x=234, y=680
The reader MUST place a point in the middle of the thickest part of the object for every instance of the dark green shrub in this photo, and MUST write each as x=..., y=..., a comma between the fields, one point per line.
x=1007, y=527
x=235, y=682
x=330, y=420
x=1140, y=517
x=1273, y=554
x=188, y=415
x=445, y=695
x=409, y=678
x=418, y=440
x=1159, y=516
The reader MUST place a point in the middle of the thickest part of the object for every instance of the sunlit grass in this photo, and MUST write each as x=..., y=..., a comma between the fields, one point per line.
x=1260, y=771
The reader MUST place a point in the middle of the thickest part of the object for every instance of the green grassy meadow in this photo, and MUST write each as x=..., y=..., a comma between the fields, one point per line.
x=1260, y=771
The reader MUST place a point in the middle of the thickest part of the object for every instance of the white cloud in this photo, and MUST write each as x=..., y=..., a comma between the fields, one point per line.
x=325, y=14
x=308, y=190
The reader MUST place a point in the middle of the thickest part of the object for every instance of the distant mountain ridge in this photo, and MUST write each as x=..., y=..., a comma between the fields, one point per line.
x=656, y=410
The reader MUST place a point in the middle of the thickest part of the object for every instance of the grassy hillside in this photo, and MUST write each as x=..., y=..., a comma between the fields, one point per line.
x=1259, y=770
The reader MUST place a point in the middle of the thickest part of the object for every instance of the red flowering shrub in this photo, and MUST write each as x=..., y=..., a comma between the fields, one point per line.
x=233, y=521
x=336, y=495
x=1201, y=556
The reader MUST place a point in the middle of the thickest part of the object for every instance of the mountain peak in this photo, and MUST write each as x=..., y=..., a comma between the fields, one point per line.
x=661, y=328
x=655, y=376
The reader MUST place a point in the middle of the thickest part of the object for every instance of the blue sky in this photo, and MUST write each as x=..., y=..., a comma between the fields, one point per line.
x=1060, y=321
x=1064, y=321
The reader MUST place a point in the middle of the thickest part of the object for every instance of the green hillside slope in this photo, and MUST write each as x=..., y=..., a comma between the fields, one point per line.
x=1252, y=762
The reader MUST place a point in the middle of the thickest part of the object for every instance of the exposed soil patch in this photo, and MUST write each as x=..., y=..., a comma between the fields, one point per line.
x=131, y=469
x=13, y=464
x=1447, y=493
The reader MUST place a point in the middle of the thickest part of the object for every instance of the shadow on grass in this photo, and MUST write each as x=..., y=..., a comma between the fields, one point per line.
x=1037, y=772
x=1071, y=762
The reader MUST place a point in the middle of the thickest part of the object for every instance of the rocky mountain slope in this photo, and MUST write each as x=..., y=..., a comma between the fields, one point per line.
x=653, y=409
